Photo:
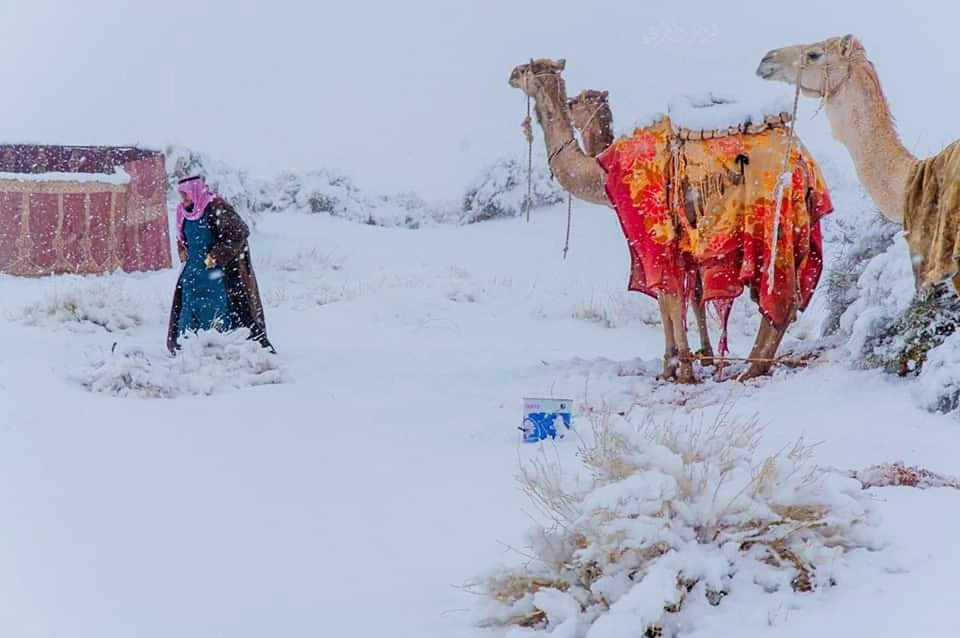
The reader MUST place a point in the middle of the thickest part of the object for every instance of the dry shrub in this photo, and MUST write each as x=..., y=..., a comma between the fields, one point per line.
x=898, y=474
x=105, y=304
x=663, y=513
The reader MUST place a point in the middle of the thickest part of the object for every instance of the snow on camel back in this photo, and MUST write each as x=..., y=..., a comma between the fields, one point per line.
x=708, y=116
x=82, y=209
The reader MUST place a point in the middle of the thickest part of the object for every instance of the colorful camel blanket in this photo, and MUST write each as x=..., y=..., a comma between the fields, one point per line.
x=932, y=217
x=708, y=206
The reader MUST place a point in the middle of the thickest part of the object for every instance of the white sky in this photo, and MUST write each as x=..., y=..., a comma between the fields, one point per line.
x=413, y=95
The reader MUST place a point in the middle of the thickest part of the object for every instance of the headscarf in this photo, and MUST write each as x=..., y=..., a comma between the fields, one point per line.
x=201, y=196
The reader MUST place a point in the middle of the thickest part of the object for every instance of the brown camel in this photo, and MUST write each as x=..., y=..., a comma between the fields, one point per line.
x=923, y=195
x=583, y=177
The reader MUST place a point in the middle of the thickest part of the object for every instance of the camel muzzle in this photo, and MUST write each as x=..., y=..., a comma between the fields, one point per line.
x=768, y=67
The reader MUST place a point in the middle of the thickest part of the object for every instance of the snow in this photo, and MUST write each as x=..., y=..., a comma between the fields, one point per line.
x=376, y=460
x=711, y=111
x=357, y=481
x=119, y=176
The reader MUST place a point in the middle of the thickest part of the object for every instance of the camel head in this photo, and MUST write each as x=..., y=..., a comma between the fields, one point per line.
x=585, y=105
x=528, y=77
x=822, y=67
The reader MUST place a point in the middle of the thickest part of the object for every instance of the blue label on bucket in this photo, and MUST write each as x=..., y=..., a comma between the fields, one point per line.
x=540, y=419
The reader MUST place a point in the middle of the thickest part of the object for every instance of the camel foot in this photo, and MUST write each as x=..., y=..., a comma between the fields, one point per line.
x=755, y=370
x=685, y=374
x=677, y=370
x=670, y=364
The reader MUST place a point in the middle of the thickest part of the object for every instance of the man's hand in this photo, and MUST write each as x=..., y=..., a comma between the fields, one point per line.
x=182, y=252
x=208, y=262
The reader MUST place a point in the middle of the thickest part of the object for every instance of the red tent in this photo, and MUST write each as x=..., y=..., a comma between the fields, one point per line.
x=82, y=209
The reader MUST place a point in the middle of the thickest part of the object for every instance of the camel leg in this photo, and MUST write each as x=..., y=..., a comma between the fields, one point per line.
x=700, y=312
x=764, y=348
x=670, y=347
x=682, y=366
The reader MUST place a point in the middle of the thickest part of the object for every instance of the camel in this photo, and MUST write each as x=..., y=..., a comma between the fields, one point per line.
x=921, y=195
x=586, y=178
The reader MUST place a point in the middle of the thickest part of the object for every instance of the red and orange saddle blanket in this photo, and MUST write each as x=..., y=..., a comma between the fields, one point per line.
x=688, y=204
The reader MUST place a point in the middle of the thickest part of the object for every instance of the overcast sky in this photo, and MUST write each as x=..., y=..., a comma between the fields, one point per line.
x=413, y=95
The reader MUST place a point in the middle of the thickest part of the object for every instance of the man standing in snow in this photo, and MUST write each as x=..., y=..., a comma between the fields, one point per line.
x=217, y=287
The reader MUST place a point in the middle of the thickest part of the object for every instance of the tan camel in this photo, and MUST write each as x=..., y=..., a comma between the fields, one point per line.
x=920, y=194
x=583, y=177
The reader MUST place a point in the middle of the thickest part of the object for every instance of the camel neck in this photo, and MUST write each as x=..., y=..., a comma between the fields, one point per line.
x=860, y=119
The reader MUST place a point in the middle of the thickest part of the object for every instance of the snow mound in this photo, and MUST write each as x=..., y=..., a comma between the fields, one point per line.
x=209, y=362
x=92, y=308
x=668, y=520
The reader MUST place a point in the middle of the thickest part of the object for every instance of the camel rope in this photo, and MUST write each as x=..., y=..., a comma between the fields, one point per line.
x=784, y=175
x=781, y=360
x=528, y=133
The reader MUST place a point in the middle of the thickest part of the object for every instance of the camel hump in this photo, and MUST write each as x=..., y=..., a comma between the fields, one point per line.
x=703, y=117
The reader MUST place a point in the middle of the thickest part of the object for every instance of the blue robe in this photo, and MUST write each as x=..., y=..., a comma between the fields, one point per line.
x=205, y=302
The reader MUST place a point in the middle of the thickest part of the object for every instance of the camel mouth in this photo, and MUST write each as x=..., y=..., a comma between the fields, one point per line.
x=769, y=71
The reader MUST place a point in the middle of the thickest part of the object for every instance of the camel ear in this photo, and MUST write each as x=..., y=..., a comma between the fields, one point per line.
x=845, y=43
x=604, y=94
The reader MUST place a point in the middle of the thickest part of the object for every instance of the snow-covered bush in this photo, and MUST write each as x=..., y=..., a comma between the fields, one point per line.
x=843, y=280
x=99, y=306
x=667, y=519
x=901, y=346
x=502, y=191
x=209, y=362
x=234, y=185
x=318, y=191
x=873, y=302
x=938, y=383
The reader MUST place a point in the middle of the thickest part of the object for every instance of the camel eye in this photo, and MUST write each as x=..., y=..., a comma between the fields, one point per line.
x=813, y=56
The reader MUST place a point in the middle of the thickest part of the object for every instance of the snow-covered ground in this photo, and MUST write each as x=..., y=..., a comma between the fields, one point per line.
x=357, y=483
x=351, y=485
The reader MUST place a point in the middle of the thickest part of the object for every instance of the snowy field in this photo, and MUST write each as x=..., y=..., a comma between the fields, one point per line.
x=359, y=482
x=351, y=485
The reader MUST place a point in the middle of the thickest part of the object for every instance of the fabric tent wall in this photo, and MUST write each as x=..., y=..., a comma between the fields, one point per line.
x=69, y=210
